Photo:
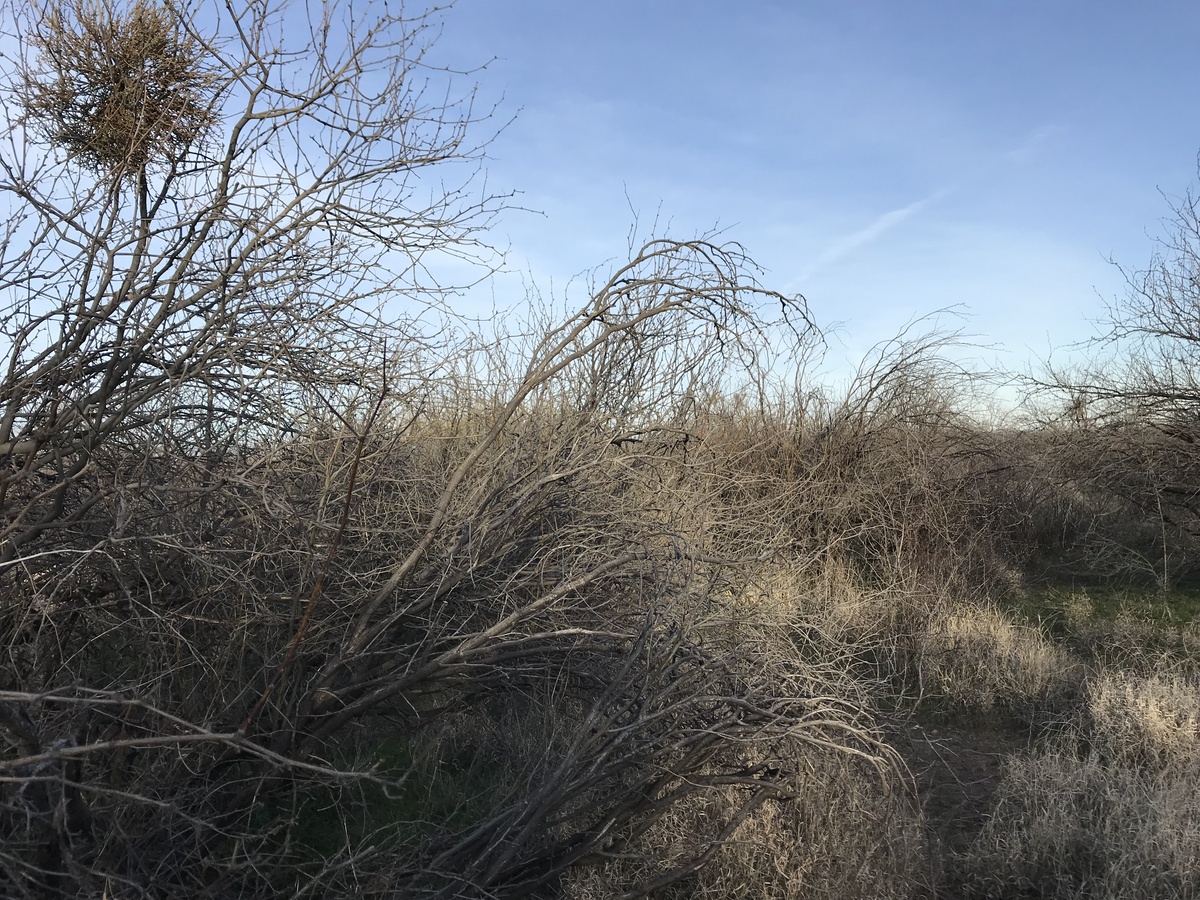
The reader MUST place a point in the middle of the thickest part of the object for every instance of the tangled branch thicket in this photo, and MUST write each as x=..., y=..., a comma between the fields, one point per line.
x=308, y=589
x=301, y=596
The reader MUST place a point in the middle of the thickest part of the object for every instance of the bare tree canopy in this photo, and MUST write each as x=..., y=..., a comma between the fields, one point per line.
x=1151, y=368
x=211, y=219
x=1133, y=412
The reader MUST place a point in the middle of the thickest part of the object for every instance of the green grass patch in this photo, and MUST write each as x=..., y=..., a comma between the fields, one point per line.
x=1140, y=629
x=1058, y=608
x=420, y=793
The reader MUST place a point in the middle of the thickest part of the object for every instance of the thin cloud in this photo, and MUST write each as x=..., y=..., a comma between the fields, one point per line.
x=872, y=232
x=1033, y=144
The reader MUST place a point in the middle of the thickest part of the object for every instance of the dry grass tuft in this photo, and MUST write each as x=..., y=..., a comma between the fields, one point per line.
x=1132, y=643
x=1141, y=722
x=979, y=659
x=1111, y=811
x=1071, y=827
x=845, y=834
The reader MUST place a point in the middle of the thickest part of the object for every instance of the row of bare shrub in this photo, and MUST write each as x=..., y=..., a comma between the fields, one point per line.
x=241, y=673
x=1096, y=501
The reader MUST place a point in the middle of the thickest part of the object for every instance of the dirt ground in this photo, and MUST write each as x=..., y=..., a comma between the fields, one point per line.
x=957, y=770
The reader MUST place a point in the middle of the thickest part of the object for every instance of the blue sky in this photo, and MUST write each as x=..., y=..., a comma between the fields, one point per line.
x=886, y=160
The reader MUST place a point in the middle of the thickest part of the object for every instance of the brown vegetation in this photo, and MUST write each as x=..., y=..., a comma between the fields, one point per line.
x=302, y=594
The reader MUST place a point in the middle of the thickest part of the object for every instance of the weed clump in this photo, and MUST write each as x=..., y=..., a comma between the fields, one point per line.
x=976, y=659
x=1111, y=808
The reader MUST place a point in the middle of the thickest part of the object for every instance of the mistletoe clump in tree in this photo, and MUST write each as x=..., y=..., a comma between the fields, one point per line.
x=119, y=90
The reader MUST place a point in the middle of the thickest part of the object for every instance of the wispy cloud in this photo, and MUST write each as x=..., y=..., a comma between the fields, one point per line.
x=1033, y=143
x=880, y=226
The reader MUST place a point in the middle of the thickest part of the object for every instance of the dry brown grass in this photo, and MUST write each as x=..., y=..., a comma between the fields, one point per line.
x=1110, y=810
x=846, y=833
x=977, y=659
x=1070, y=827
x=1131, y=643
x=1151, y=722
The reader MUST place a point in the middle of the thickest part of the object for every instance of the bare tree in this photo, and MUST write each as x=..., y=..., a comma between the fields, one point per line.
x=217, y=229
x=1156, y=329
x=206, y=214
x=1135, y=417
